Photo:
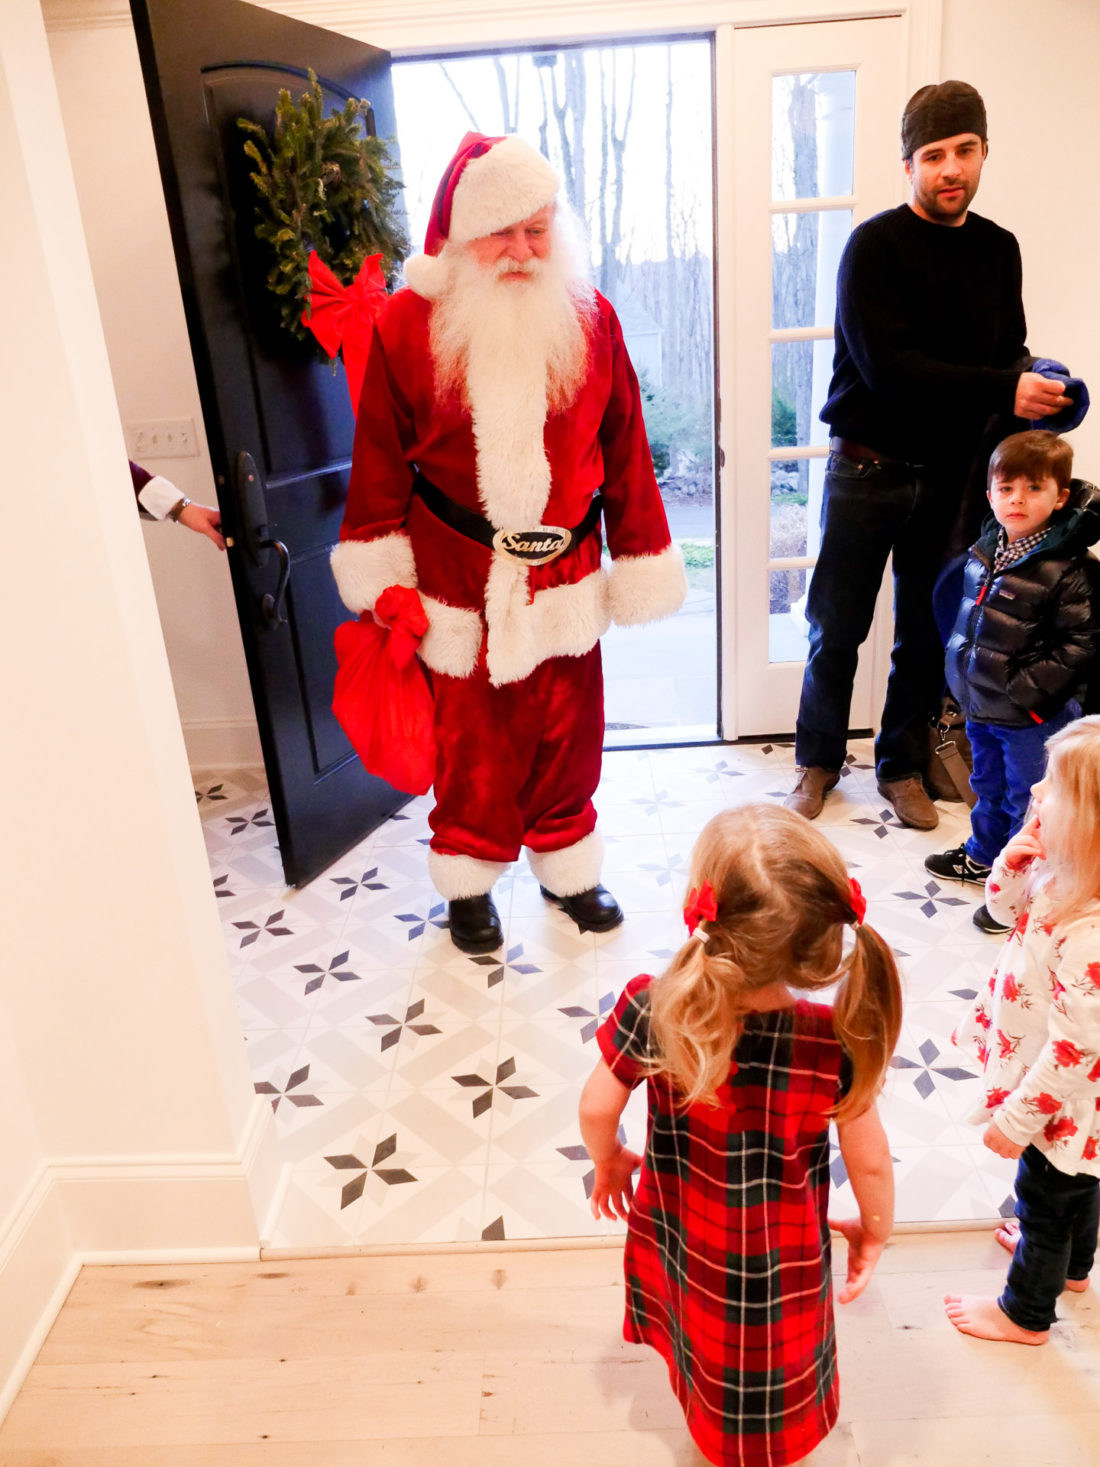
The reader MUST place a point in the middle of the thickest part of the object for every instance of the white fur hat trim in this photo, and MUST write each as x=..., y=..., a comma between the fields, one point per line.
x=505, y=185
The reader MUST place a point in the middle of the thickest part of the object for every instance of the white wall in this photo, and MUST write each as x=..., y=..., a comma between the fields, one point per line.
x=130, y=1122
x=122, y=208
x=1038, y=69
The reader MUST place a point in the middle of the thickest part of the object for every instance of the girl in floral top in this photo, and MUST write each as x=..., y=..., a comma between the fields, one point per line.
x=727, y=1252
x=1036, y=1033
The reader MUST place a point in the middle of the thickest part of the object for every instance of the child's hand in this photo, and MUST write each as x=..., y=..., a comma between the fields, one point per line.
x=864, y=1252
x=999, y=1143
x=613, y=1189
x=1026, y=845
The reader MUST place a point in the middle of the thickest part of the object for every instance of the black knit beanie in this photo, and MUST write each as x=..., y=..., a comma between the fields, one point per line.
x=941, y=111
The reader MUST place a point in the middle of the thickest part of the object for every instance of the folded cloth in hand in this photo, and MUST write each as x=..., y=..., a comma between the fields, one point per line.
x=1072, y=387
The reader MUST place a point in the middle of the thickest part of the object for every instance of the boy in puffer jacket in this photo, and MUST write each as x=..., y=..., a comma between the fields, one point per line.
x=1025, y=638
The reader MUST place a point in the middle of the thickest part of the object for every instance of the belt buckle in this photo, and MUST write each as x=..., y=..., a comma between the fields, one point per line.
x=533, y=547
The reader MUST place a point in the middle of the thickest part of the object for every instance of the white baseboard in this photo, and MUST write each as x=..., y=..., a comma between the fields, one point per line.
x=112, y=1210
x=224, y=743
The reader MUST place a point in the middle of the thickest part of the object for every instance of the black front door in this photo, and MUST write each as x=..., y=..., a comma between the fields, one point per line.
x=278, y=421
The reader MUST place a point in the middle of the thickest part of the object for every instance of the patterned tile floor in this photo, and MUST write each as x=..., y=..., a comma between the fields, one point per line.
x=425, y=1096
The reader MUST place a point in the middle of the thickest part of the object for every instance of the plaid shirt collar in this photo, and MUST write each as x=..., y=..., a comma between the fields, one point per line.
x=1007, y=554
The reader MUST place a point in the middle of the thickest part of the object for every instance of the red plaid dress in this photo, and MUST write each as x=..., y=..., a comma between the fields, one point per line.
x=727, y=1252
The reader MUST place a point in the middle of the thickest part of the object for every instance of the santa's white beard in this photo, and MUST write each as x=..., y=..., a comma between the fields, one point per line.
x=511, y=349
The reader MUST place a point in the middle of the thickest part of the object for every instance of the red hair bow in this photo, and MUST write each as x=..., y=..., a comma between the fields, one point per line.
x=857, y=900
x=701, y=906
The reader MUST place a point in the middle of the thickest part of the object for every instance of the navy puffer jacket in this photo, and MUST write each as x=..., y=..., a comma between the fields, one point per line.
x=1025, y=642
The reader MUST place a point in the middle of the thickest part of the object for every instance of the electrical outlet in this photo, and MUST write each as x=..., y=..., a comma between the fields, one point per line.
x=161, y=438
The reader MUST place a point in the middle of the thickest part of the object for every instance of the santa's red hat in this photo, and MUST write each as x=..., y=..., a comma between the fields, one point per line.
x=490, y=183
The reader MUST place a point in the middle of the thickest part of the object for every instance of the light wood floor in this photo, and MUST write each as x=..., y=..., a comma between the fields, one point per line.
x=488, y=1359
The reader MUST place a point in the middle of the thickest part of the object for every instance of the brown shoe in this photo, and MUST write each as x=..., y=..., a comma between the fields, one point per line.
x=809, y=793
x=911, y=804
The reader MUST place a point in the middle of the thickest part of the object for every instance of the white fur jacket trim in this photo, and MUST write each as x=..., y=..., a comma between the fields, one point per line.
x=647, y=587
x=561, y=621
x=364, y=568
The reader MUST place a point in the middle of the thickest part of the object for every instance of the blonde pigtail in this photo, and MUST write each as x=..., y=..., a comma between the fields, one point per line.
x=867, y=1016
x=694, y=1019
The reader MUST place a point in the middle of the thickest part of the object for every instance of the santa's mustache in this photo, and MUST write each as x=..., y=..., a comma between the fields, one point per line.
x=517, y=267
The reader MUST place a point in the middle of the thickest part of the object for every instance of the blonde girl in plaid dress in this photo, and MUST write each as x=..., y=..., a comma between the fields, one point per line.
x=727, y=1256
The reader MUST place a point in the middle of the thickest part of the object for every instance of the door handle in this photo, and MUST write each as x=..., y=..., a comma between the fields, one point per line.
x=271, y=607
x=252, y=509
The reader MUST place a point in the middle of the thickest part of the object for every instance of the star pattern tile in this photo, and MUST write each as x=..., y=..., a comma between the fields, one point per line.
x=421, y=1095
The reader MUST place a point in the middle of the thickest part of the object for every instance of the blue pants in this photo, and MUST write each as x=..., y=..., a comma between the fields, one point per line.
x=1059, y=1216
x=868, y=510
x=1007, y=762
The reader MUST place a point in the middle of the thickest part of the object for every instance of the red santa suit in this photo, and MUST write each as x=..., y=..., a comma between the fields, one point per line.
x=513, y=647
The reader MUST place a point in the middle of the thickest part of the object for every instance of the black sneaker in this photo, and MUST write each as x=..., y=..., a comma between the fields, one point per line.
x=985, y=923
x=956, y=865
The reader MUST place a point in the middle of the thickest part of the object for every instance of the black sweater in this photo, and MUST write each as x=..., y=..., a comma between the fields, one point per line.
x=1025, y=641
x=929, y=324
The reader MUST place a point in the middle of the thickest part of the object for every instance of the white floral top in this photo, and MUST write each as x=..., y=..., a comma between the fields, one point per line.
x=1035, y=1029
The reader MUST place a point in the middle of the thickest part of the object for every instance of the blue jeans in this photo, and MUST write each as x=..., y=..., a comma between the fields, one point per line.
x=1059, y=1216
x=868, y=510
x=1007, y=762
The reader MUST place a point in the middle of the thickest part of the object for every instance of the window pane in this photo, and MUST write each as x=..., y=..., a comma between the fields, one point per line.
x=806, y=251
x=790, y=493
x=813, y=129
x=800, y=381
x=787, y=628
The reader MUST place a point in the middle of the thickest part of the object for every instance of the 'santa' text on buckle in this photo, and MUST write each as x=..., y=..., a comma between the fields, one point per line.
x=533, y=547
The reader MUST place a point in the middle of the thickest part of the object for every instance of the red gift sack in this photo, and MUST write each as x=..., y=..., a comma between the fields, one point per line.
x=382, y=698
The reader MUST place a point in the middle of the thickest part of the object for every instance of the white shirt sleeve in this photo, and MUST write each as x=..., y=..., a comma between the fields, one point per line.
x=158, y=496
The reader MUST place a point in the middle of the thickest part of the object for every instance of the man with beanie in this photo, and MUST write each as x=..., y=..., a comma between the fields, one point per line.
x=499, y=419
x=929, y=347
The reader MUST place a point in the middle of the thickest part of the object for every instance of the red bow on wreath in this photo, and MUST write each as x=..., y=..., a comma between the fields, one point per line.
x=342, y=316
x=857, y=901
x=701, y=906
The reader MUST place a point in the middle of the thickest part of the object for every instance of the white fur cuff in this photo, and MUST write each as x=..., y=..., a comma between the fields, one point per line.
x=455, y=877
x=364, y=568
x=647, y=587
x=571, y=871
x=453, y=639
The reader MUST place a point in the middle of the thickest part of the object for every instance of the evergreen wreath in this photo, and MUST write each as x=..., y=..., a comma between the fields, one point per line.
x=324, y=184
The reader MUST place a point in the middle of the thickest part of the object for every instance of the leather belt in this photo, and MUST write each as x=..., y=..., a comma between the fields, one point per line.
x=536, y=546
x=851, y=449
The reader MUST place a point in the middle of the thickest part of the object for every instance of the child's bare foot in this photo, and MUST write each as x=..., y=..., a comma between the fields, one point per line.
x=1009, y=1235
x=986, y=1320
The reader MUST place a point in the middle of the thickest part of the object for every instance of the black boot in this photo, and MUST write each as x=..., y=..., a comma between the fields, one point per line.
x=475, y=924
x=594, y=910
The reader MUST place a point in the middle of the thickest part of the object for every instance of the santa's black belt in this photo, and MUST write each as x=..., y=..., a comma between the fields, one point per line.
x=536, y=546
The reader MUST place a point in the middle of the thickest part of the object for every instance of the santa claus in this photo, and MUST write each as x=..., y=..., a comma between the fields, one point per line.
x=500, y=418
